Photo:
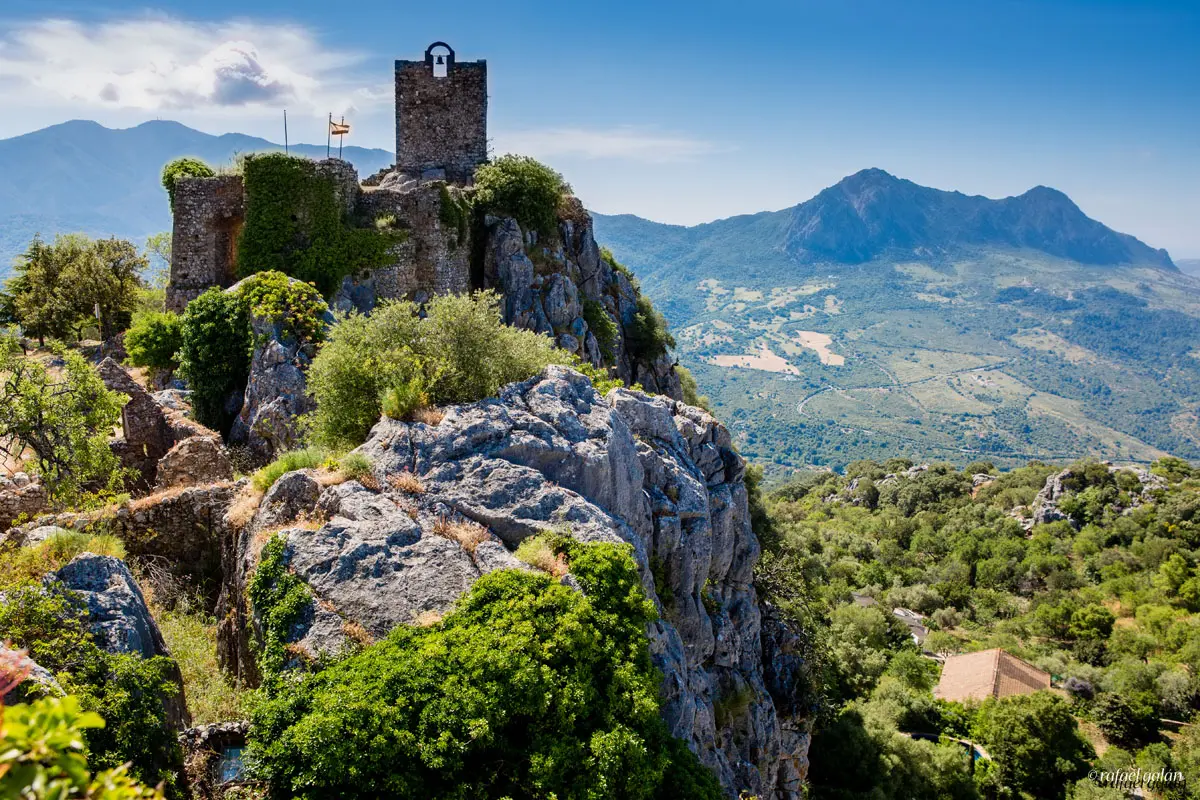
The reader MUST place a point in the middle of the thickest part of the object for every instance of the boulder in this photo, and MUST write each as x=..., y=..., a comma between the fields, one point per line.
x=193, y=462
x=37, y=683
x=117, y=611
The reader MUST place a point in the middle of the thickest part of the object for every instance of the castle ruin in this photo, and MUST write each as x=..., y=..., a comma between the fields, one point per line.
x=441, y=138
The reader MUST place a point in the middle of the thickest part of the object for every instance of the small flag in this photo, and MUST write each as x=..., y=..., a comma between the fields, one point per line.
x=339, y=128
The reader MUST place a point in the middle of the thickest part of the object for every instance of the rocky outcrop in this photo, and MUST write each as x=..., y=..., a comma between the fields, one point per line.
x=146, y=434
x=552, y=453
x=195, y=461
x=118, y=616
x=20, y=496
x=553, y=287
x=275, y=390
x=38, y=681
x=1045, y=507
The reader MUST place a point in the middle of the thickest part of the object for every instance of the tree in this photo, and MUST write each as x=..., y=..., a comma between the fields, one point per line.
x=106, y=278
x=154, y=339
x=523, y=188
x=65, y=418
x=41, y=307
x=58, y=287
x=1035, y=745
x=214, y=355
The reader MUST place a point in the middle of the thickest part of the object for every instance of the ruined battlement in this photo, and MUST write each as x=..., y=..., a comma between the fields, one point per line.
x=209, y=213
x=441, y=116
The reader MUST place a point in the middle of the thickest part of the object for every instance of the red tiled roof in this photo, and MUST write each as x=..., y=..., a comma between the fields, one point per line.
x=988, y=673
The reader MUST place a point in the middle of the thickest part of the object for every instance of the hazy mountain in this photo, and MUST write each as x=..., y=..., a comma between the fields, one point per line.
x=1189, y=265
x=81, y=176
x=883, y=318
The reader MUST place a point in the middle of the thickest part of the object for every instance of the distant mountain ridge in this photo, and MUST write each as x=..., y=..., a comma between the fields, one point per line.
x=871, y=214
x=874, y=215
x=82, y=176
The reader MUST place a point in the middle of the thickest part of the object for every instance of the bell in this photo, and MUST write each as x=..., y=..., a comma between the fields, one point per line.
x=441, y=60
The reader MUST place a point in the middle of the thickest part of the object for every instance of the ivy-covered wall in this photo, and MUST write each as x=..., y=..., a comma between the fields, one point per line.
x=297, y=224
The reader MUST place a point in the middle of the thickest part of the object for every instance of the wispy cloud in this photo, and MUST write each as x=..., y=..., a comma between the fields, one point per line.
x=625, y=143
x=167, y=64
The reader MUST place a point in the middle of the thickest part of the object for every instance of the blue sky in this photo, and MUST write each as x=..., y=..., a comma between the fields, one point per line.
x=681, y=112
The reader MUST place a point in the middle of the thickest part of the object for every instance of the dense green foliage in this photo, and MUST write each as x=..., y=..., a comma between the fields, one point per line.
x=523, y=188
x=127, y=691
x=154, y=339
x=1106, y=601
x=184, y=167
x=294, y=307
x=58, y=287
x=214, y=355
x=64, y=417
x=648, y=337
x=459, y=351
x=528, y=689
x=280, y=599
x=296, y=225
x=42, y=758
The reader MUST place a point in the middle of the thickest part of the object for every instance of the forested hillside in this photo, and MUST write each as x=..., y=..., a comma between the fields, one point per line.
x=1090, y=573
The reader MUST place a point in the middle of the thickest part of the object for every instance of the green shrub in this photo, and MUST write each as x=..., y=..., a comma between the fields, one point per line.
x=459, y=352
x=455, y=214
x=154, y=339
x=42, y=755
x=307, y=458
x=402, y=400
x=523, y=188
x=64, y=418
x=297, y=308
x=611, y=260
x=295, y=225
x=691, y=390
x=602, y=326
x=528, y=689
x=185, y=167
x=1034, y=743
x=647, y=337
x=214, y=355
x=127, y=691
x=280, y=599
x=355, y=466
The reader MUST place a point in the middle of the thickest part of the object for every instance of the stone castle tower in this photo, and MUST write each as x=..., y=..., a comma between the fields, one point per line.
x=441, y=116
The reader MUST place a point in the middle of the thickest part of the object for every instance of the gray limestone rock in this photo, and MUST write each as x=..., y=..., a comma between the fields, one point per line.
x=551, y=453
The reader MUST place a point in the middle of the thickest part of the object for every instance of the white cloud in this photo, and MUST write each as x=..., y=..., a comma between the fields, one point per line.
x=164, y=64
x=624, y=143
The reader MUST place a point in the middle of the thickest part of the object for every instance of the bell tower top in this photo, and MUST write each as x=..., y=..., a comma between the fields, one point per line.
x=441, y=115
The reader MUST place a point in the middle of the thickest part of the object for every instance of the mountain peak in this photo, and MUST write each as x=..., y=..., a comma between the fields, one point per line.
x=873, y=214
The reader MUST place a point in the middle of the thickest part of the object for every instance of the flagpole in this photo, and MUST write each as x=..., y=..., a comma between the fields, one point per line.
x=328, y=134
x=341, y=137
x=285, y=137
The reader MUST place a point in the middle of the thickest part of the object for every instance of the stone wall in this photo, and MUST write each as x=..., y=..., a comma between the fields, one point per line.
x=441, y=122
x=209, y=213
x=433, y=258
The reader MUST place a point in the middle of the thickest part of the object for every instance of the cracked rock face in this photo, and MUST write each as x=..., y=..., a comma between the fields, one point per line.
x=550, y=297
x=552, y=453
